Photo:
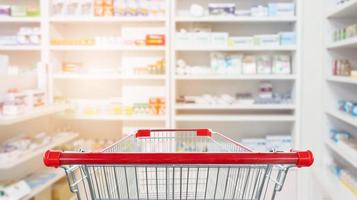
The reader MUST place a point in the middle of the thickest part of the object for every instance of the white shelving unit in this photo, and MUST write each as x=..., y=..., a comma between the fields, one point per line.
x=107, y=85
x=332, y=186
x=33, y=114
x=272, y=119
x=227, y=19
x=338, y=88
x=32, y=160
x=194, y=85
x=235, y=107
x=58, y=175
x=234, y=77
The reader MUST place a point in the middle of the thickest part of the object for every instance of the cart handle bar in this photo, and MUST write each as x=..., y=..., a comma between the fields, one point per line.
x=147, y=132
x=54, y=158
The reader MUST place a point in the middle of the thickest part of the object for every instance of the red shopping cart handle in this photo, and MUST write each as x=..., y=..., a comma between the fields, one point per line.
x=59, y=158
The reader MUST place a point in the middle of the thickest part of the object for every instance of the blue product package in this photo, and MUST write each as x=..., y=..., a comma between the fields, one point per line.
x=354, y=110
x=347, y=107
x=288, y=38
x=341, y=105
x=272, y=9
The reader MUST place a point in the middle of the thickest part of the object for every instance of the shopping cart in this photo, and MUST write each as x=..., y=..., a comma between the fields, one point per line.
x=176, y=164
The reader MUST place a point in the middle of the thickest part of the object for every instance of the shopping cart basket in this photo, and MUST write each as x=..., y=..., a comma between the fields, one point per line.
x=176, y=164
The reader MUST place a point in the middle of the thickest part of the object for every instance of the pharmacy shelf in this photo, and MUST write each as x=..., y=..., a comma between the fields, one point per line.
x=253, y=48
x=115, y=117
x=58, y=175
x=109, y=48
x=347, y=118
x=347, y=43
x=343, y=150
x=75, y=20
x=35, y=113
x=20, y=48
x=332, y=185
x=342, y=79
x=107, y=77
x=235, y=118
x=235, y=77
x=20, y=19
x=233, y=19
x=236, y=107
x=38, y=152
x=347, y=9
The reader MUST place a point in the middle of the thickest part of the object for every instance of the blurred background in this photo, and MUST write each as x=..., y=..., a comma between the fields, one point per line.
x=271, y=74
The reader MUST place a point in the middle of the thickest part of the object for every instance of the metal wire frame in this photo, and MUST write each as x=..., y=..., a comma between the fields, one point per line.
x=161, y=182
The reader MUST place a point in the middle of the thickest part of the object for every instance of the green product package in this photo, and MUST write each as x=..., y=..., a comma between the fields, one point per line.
x=18, y=11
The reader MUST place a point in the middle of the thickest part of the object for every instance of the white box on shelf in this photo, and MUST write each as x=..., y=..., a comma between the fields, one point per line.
x=134, y=33
x=4, y=63
x=236, y=42
x=249, y=65
x=264, y=64
x=281, y=9
x=184, y=39
x=281, y=64
x=259, y=11
x=130, y=63
x=267, y=40
x=219, y=40
x=201, y=39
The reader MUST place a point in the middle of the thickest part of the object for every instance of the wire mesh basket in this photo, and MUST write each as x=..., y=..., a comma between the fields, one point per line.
x=177, y=164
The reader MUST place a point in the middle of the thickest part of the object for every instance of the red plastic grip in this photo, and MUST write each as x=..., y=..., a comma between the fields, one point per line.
x=204, y=132
x=147, y=132
x=56, y=158
x=143, y=133
x=305, y=158
x=52, y=158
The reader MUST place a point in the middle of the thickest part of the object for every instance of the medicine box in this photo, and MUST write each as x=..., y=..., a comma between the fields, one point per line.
x=236, y=42
x=281, y=9
x=264, y=64
x=4, y=63
x=249, y=65
x=200, y=39
x=18, y=11
x=259, y=11
x=266, y=40
x=5, y=10
x=183, y=39
x=351, y=31
x=219, y=40
x=287, y=38
x=220, y=9
x=281, y=64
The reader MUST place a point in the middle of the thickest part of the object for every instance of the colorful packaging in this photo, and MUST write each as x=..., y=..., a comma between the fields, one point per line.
x=155, y=40
x=287, y=38
x=281, y=9
x=219, y=40
x=281, y=64
x=236, y=42
x=5, y=10
x=266, y=40
x=264, y=64
x=18, y=11
x=259, y=11
x=221, y=9
x=249, y=65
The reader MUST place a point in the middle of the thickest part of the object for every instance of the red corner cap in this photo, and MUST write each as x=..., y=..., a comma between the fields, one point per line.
x=143, y=133
x=204, y=132
x=52, y=158
x=305, y=159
